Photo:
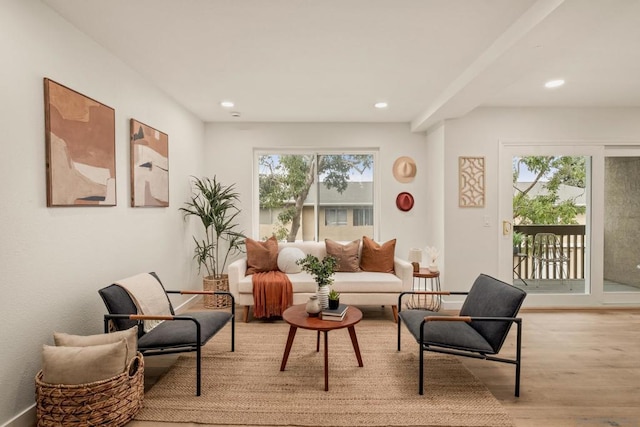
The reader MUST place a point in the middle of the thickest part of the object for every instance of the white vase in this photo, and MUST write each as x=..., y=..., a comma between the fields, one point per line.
x=323, y=296
x=313, y=306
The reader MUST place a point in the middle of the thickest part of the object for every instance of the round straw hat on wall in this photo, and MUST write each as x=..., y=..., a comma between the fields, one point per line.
x=404, y=169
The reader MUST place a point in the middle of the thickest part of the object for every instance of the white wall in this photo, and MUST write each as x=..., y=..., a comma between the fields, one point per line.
x=472, y=248
x=53, y=260
x=229, y=156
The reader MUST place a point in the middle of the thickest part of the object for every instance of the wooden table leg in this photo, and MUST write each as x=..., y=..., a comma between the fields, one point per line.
x=326, y=361
x=354, y=341
x=318, y=341
x=287, y=348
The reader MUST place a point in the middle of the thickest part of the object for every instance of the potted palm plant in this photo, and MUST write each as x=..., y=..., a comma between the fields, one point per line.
x=215, y=205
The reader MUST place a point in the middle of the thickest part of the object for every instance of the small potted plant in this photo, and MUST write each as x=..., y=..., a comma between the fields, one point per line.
x=322, y=272
x=334, y=299
x=517, y=241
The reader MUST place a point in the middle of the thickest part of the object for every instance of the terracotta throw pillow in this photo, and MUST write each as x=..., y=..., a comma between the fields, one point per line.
x=376, y=257
x=261, y=256
x=346, y=255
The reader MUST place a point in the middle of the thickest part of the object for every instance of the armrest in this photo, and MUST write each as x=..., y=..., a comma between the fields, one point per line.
x=237, y=270
x=470, y=319
x=404, y=270
x=426, y=293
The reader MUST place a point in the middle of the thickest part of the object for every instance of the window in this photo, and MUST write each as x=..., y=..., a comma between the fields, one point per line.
x=362, y=216
x=314, y=195
x=333, y=216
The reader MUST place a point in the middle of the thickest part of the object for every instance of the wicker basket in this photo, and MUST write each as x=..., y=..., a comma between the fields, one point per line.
x=221, y=284
x=111, y=402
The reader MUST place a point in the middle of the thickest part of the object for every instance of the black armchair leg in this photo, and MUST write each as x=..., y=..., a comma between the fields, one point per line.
x=421, y=349
x=198, y=360
x=421, y=378
x=518, y=356
x=233, y=325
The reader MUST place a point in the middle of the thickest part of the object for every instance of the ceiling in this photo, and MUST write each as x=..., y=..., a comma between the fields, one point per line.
x=331, y=60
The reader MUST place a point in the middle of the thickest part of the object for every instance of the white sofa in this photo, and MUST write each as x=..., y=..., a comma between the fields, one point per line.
x=359, y=288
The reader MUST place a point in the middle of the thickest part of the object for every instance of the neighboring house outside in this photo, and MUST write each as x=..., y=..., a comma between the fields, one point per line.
x=342, y=217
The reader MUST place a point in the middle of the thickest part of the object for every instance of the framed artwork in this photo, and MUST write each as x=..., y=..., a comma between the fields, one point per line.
x=80, y=148
x=471, y=182
x=149, y=166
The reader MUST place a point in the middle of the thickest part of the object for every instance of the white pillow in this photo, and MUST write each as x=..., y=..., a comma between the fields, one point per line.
x=287, y=260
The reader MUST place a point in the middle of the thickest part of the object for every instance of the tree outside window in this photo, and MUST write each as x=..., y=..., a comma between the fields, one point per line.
x=298, y=186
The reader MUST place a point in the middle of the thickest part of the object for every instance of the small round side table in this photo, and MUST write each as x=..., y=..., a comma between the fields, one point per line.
x=426, y=280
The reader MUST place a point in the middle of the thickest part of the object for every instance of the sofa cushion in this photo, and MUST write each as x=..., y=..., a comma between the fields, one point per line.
x=376, y=257
x=288, y=260
x=347, y=255
x=361, y=282
x=261, y=256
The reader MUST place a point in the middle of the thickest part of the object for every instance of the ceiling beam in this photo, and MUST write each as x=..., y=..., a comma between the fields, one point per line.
x=480, y=79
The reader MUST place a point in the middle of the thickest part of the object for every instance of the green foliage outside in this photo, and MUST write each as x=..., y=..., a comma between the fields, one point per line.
x=286, y=180
x=547, y=208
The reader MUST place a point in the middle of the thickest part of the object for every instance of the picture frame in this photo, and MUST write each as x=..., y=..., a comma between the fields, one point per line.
x=471, y=182
x=149, y=166
x=80, y=148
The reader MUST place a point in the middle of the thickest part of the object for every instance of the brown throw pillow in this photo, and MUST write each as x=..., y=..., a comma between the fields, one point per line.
x=346, y=255
x=261, y=256
x=376, y=257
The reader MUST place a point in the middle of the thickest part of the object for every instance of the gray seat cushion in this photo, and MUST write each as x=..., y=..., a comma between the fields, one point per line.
x=176, y=333
x=454, y=335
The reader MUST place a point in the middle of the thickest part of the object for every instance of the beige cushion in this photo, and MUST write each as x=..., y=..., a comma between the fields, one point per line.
x=288, y=260
x=130, y=335
x=376, y=257
x=81, y=365
x=262, y=256
x=345, y=254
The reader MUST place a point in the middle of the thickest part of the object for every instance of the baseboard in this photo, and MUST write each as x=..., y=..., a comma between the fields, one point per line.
x=188, y=303
x=26, y=418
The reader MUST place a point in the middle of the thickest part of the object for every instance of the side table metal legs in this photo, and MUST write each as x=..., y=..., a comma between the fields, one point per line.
x=425, y=280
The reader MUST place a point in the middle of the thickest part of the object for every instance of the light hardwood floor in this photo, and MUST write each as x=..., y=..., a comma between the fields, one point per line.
x=580, y=368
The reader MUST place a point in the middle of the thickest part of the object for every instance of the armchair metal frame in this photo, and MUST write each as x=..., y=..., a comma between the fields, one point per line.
x=187, y=347
x=464, y=353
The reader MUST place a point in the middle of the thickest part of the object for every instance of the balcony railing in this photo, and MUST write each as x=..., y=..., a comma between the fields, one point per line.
x=572, y=245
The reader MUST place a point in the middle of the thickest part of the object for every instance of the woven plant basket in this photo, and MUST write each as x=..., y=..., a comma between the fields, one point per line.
x=221, y=284
x=110, y=402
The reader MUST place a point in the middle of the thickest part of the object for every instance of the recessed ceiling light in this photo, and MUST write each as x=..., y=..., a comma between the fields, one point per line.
x=381, y=104
x=227, y=104
x=554, y=83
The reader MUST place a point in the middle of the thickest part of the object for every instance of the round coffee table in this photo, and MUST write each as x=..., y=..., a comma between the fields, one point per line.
x=297, y=317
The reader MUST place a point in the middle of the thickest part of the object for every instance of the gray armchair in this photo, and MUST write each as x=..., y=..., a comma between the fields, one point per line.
x=480, y=329
x=177, y=334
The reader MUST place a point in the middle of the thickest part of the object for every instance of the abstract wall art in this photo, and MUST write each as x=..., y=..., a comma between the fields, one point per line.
x=471, y=182
x=80, y=148
x=149, y=166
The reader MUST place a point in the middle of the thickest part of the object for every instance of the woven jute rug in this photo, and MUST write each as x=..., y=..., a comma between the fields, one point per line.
x=246, y=387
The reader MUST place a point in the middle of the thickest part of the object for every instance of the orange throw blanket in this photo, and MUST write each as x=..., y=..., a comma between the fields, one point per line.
x=272, y=293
